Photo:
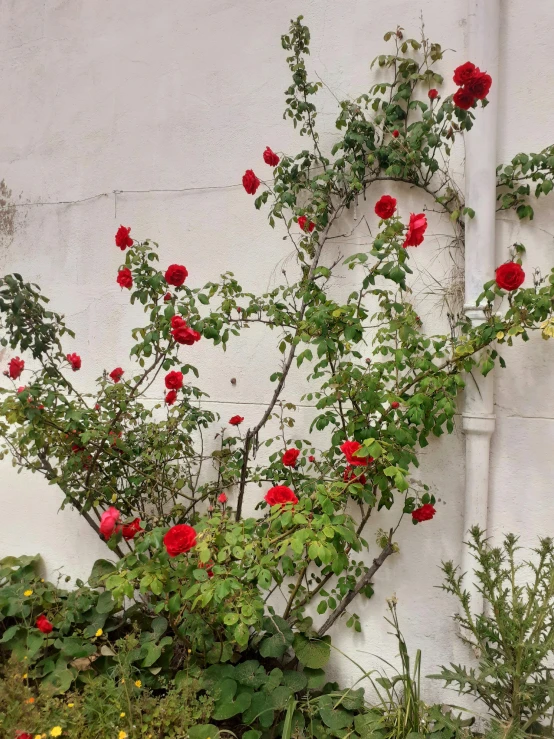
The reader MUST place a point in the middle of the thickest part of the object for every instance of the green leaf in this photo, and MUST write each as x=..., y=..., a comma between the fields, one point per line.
x=100, y=569
x=105, y=602
x=313, y=653
x=203, y=731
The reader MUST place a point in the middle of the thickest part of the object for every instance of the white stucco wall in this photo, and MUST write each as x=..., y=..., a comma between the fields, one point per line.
x=130, y=95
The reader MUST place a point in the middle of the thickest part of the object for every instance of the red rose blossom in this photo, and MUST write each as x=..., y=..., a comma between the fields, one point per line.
x=125, y=278
x=235, y=420
x=179, y=539
x=479, y=85
x=395, y=404
x=109, y=522
x=116, y=374
x=182, y=333
x=176, y=274
x=250, y=182
x=349, y=448
x=207, y=566
x=510, y=276
x=311, y=458
x=416, y=229
x=44, y=625
x=302, y=223
x=270, y=157
x=351, y=475
x=463, y=99
x=131, y=529
x=174, y=380
x=75, y=361
x=396, y=133
x=222, y=498
x=385, y=207
x=15, y=367
x=21, y=389
x=425, y=513
x=464, y=73
x=279, y=495
x=167, y=297
x=122, y=238
x=289, y=457
x=171, y=397
x=433, y=94
x=23, y=734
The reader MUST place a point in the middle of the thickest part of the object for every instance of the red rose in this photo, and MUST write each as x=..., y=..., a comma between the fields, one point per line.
x=385, y=207
x=21, y=389
x=109, y=522
x=433, y=94
x=396, y=133
x=176, y=274
x=44, y=625
x=464, y=73
x=222, y=498
x=311, y=458
x=425, y=513
x=125, y=278
x=235, y=420
x=171, y=397
x=207, y=566
x=416, y=229
x=167, y=297
x=122, y=238
x=131, y=529
x=302, y=223
x=349, y=448
x=250, y=182
x=15, y=367
x=182, y=333
x=279, y=495
x=75, y=361
x=23, y=734
x=179, y=539
x=395, y=404
x=350, y=475
x=289, y=457
x=479, y=85
x=174, y=380
x=463, y=99
x=185, y=335
x=270, y=157
x=510, y=276
x=116, y=374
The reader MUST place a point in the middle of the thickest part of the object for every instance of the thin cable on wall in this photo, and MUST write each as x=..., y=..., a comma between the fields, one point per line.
x=115, y=193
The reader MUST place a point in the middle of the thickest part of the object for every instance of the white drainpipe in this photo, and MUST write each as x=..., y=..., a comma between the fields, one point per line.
x=480, y=262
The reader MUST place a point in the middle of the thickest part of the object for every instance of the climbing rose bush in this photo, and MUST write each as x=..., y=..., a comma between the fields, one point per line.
x=239, y=537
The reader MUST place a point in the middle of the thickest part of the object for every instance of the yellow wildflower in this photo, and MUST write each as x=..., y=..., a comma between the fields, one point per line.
x=70, y=705
x=99, y=632
x=500, y=335
x=56, y=731
x=138, y=683
x=27, y=593
x=42, y=579
x=38, y=736
x=122, y=714
x=24, y=676
x=122, y=735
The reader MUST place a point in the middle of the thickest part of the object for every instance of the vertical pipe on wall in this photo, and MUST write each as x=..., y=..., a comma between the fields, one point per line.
x=478, y=418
